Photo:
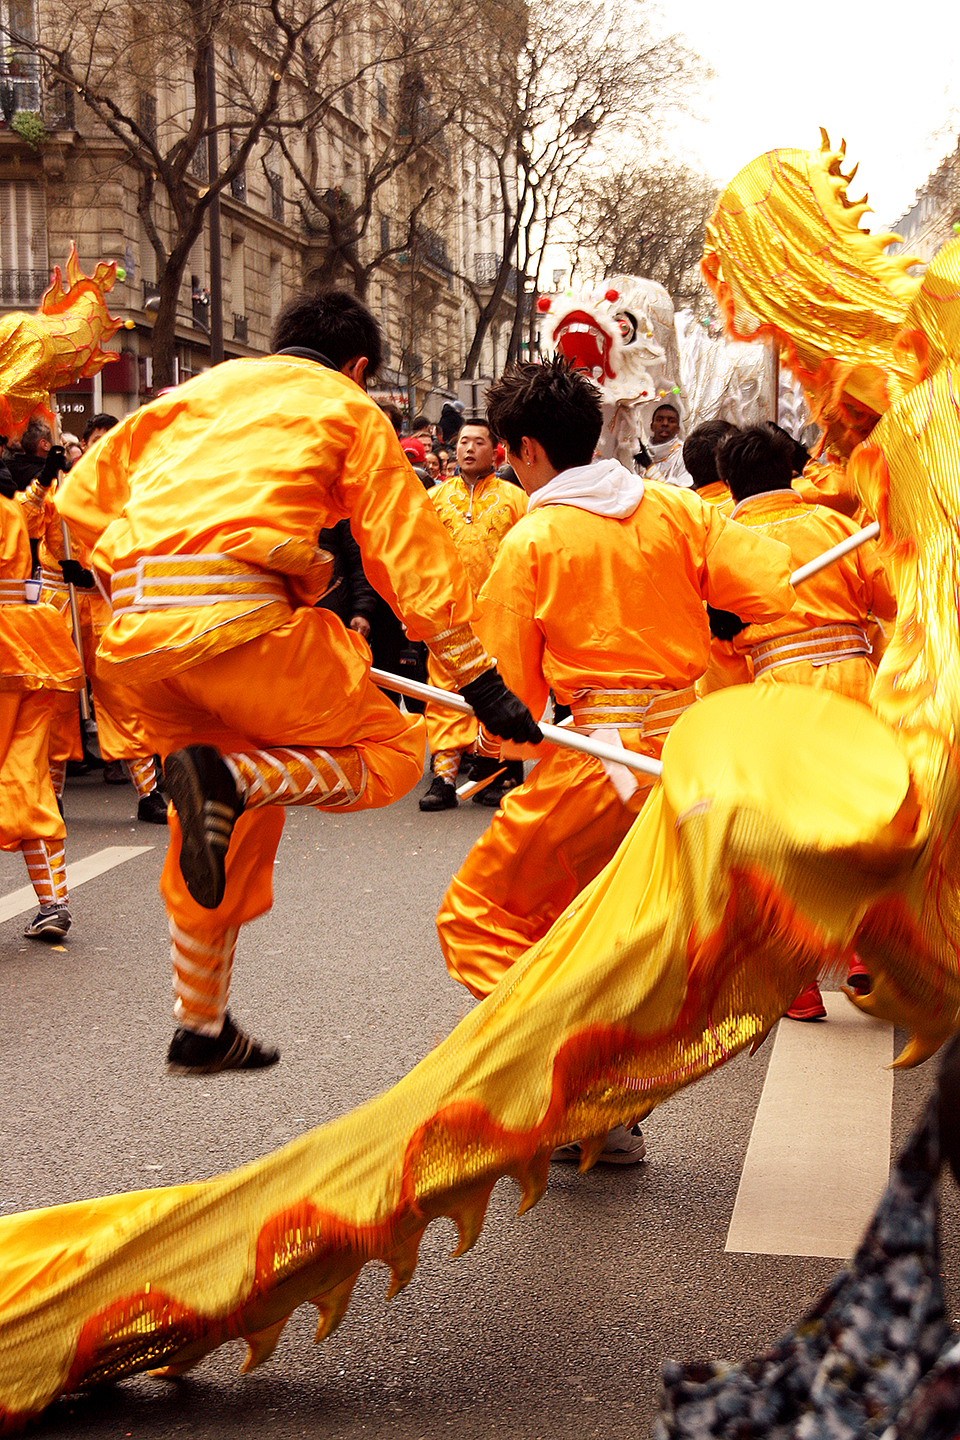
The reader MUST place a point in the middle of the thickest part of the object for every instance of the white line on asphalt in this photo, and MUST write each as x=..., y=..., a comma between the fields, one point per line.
x=819, y=1155
x=18, y=902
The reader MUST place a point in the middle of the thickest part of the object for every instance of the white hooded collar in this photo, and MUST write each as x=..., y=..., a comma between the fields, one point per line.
x=604, y=487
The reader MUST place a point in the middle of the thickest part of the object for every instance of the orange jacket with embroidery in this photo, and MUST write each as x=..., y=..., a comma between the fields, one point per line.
x=478, y=519
x=250, y=461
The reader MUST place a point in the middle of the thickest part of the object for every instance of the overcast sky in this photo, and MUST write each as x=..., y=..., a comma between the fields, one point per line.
x=886, y=77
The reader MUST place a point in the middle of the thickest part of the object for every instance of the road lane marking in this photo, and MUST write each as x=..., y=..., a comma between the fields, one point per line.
x=18, y=902
x=819, y=1154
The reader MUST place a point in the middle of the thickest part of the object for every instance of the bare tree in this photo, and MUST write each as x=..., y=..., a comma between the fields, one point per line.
x=141, y=76
x=585, y=73
x=389, y=187
x=647, y=219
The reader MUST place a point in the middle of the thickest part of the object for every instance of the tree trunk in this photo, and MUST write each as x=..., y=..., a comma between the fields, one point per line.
x=164, y=330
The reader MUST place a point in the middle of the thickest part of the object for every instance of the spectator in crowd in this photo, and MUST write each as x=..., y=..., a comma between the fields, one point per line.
x=665, y=447
x=95, y=428
x=393, y=413
x=26, y=463
x=415, y=453
x=451, y=419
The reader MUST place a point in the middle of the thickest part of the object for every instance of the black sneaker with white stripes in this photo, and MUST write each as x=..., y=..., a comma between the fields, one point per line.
x=51, y=922
x=193, y=1054
x=207, y=803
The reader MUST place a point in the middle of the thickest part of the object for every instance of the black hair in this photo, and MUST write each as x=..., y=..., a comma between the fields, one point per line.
x=393, y=413
x=801, y=455
x=700, y=451
x=478, y=420
x=754, y=460
x=98, y=422
x=551, y=403
x=335, y=323
x=667, y=405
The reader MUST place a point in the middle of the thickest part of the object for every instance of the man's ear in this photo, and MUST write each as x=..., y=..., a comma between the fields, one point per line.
x=355, y=370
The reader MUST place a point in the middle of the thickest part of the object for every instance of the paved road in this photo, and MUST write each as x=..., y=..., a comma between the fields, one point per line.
x=553, y=1326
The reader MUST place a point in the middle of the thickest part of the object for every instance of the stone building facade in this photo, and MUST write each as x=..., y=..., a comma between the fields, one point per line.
x=67, y=179
x=929, y=222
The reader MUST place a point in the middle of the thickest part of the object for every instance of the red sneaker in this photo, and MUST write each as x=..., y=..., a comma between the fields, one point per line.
x=858, y=978
x=808, y=1005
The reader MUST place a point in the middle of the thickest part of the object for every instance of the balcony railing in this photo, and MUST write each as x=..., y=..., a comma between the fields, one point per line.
x=22, y=90
x=22, y=287
x=486, y=270
x=432, y=248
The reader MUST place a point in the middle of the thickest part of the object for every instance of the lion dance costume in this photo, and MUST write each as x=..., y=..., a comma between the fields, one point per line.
x=791, y=826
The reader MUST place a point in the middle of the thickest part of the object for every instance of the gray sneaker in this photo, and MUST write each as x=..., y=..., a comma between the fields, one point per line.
x=51, y=922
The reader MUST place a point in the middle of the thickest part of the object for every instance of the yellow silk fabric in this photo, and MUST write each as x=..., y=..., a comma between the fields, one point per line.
x=296, y=447
x=785, y=256
x=742, y=873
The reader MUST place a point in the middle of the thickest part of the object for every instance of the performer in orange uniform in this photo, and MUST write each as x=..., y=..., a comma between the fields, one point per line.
x=478, y=509
x=119, y=730
x=203, y=510
x=598, y=593
x=39, y=679
x=823, y=640
x=700, y=462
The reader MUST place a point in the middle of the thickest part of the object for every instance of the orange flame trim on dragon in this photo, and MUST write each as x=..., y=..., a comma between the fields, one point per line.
x=42, y=353
x=791, y=825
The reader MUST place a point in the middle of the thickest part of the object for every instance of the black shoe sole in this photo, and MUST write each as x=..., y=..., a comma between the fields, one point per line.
x=201, y=864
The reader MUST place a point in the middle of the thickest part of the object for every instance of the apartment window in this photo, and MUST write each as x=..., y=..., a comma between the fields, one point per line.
x=24, y=268
x=147, y=114
x=238, y=185
x=275, y=182
x=384, y=232
x=381, y=100
x=238, y=278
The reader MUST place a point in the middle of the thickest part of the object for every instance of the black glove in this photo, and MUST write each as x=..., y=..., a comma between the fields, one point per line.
x=55, y=462
x=499, y=710
x=724, y=624
x=75, y=575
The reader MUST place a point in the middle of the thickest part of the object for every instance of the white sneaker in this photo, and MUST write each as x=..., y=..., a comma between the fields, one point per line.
x=623, y=1147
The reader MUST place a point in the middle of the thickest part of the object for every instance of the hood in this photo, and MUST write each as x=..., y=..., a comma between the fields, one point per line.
x=604, y=487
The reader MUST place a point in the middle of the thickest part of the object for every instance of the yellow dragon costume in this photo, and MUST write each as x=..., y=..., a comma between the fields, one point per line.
x=790, y=826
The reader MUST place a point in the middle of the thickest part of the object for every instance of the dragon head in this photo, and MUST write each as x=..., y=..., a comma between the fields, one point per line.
x=621, y=334
x=786, y=258
x=42, y=353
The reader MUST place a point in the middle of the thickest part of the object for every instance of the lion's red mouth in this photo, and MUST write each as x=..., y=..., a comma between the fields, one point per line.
x=585, y=345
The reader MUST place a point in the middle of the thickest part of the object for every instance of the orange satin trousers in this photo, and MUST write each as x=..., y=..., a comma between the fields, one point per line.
x=551, y=837
x=28, y=805
x=305, y=683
